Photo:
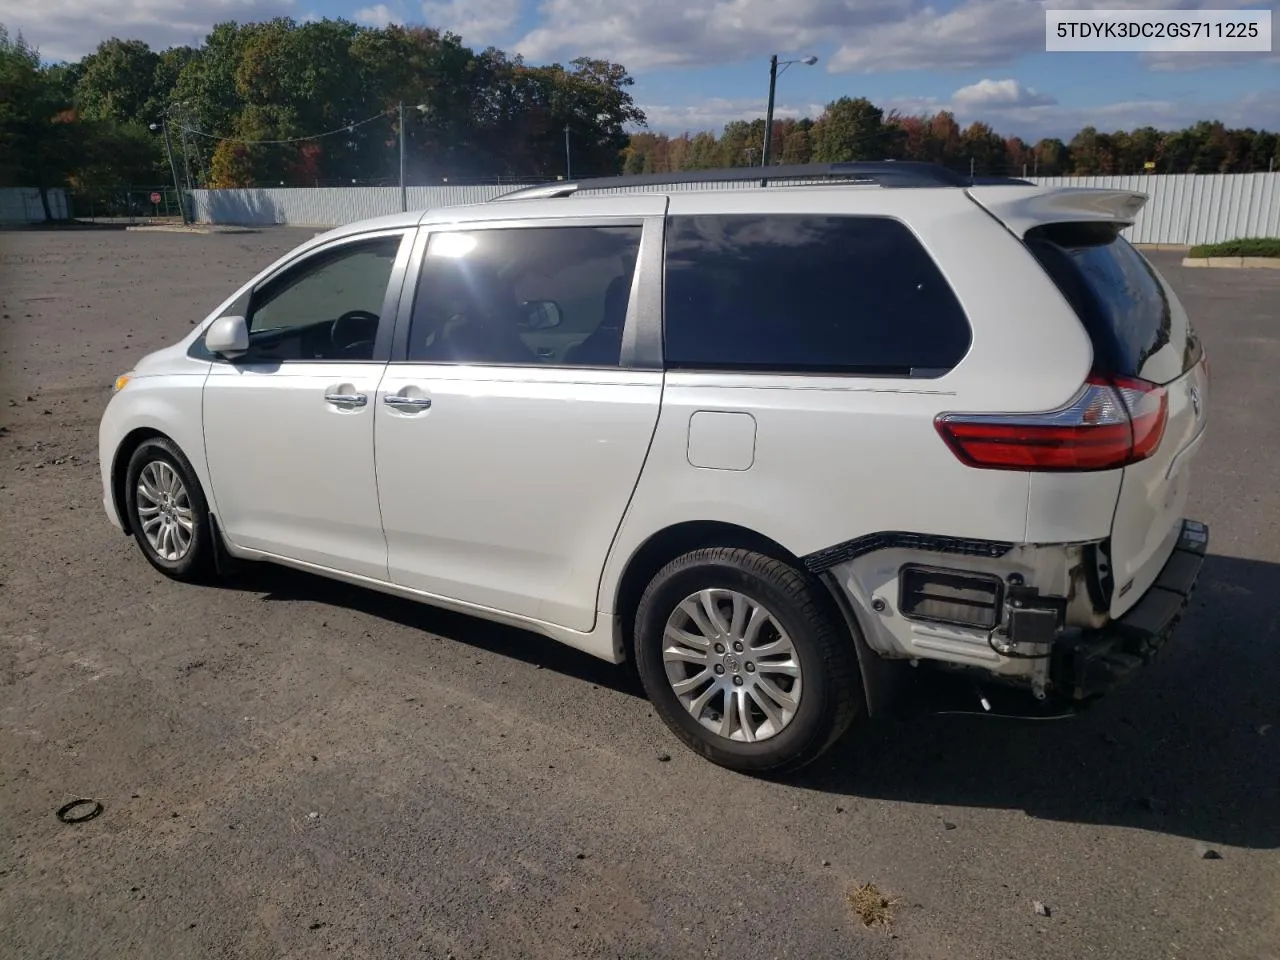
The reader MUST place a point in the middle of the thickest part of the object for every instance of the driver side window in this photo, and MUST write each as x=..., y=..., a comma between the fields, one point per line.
x=325, y=308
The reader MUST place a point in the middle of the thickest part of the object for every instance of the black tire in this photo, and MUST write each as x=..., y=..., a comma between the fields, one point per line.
x=197, y=564
x=831, y=698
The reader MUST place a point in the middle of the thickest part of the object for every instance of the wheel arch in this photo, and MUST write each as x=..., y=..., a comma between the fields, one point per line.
x=120, y=468
x=673, y=541
x=883, y=681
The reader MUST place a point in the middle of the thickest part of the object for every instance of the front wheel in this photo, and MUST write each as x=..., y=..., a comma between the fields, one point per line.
x=743, y=659
x=167, y=511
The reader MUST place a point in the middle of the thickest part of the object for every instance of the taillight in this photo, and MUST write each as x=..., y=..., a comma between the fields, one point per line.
x=1111, y=422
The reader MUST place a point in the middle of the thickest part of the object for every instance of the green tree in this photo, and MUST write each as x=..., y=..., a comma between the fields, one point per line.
x=1050, y=158
x=118, y=82
x=849, y=129
x=798, y=147
x=37, y=145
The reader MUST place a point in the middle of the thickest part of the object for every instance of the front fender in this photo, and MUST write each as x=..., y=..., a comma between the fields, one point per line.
x=171, y=405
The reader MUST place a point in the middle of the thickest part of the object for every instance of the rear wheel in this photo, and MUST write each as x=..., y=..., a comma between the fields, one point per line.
x=744, y=661
x=167, y=511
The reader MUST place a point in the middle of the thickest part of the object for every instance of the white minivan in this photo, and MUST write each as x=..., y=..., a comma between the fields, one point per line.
x=777, y=443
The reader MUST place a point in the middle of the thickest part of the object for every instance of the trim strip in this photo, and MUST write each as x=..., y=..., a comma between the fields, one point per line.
x=823, y=560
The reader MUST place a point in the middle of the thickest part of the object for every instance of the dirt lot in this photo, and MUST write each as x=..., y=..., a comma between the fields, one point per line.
x=292, y=768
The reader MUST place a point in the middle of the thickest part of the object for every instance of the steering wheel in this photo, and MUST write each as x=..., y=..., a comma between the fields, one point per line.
x=354, y=332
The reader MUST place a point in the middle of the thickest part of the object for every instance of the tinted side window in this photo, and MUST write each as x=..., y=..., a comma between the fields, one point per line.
x=807, y=294
x=325, y=308
x=1119, y=299
x=533, y=295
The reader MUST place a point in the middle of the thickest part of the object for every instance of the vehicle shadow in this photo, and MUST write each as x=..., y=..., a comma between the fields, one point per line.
x=1190, y=747
x=284, y=584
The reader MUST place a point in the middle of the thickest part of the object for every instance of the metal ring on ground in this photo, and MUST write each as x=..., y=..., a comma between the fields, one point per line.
x=64, y=811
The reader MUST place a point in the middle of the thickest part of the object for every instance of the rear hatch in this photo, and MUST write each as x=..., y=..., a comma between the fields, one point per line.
x=1141, y=337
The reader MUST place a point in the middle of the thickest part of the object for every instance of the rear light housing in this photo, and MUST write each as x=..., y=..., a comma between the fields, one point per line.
x=1110, y=423
x=955, y=597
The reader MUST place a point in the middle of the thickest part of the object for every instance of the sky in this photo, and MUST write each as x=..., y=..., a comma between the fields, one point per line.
x=701, y=63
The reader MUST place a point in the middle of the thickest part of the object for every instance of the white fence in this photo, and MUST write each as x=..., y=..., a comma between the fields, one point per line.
x=1182, y=209
x=22, y=205
x=326, y=206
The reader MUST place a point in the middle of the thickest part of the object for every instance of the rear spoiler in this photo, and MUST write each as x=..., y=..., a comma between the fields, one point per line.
x=1022, y=208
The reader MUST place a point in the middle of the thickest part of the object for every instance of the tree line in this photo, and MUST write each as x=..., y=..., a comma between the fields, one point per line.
x=856, y=129
x=245, y=107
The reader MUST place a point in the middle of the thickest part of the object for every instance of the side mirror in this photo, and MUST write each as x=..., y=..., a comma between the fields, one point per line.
x=540, y=315
x=227, y=336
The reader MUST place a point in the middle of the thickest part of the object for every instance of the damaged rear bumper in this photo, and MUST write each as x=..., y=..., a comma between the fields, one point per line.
x=1094, y=663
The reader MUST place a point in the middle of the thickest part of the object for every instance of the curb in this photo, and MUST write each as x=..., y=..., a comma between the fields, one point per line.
x=1265, y=263
x=194, y=228
x=1163, y=246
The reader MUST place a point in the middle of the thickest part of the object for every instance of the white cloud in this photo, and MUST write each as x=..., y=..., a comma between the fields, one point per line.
x=1183, y=61
x=1000, y=93
x=1179, y=62
x=69, y=29
x=649, y=34
x=376, y=16
x=476, y=21
x=977, y=33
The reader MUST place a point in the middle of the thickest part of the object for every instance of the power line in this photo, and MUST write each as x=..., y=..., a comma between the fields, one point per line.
x=345, y=128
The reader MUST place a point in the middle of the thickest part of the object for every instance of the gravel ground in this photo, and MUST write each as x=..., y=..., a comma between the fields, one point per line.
x=293, y=768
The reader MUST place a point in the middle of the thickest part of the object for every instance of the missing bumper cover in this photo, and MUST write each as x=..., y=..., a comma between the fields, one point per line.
x=1102, y=659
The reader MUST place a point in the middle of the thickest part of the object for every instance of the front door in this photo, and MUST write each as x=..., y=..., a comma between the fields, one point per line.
x=289, y=425
x=512, y=429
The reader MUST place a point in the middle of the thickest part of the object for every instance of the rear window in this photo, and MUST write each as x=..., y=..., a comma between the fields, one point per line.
x=807, y=294
x=1119, y=298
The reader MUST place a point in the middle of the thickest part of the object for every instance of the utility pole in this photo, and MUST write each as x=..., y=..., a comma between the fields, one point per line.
x=173, y=167
x=768, y=115
x=568, y=162
x=404, y=193
x=186, y=151
x=971, y=168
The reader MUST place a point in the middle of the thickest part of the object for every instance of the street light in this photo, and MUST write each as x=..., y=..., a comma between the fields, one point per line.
x=404, y=193
x=774, y=63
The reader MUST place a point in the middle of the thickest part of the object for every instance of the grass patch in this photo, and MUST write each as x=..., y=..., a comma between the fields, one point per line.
x=872, y=906
x=1246, y=247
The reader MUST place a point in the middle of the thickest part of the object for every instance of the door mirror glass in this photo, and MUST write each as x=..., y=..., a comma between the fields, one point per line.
x=227, y=336
x=540, y=315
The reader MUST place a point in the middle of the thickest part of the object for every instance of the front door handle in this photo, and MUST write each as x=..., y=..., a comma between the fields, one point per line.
x=396, y=400
x=346, y=399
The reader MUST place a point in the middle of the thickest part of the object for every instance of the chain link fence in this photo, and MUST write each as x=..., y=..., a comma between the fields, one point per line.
x=128, y=204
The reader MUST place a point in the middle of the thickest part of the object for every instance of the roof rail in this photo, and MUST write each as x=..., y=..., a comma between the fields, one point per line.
x=1000, y=182
x=886, y=173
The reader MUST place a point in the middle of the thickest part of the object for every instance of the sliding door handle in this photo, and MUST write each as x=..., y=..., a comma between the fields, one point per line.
x=396, y=400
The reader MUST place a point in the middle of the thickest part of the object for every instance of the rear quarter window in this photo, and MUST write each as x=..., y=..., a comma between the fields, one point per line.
x=1133, y=319
x=807, y=294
